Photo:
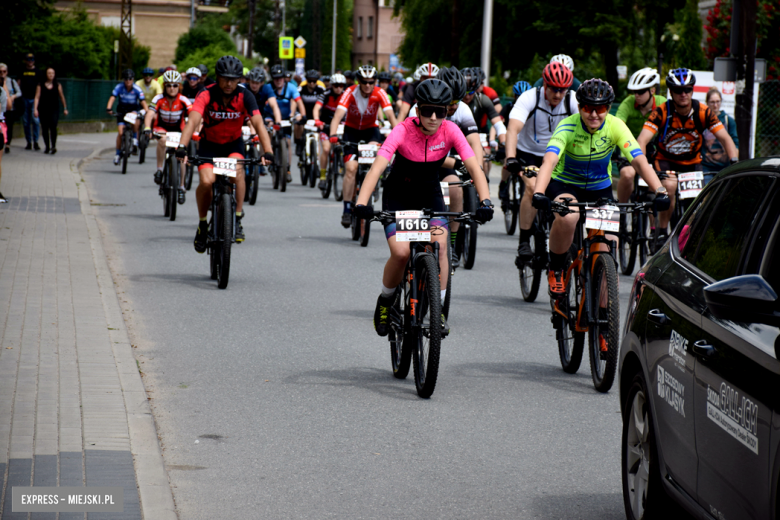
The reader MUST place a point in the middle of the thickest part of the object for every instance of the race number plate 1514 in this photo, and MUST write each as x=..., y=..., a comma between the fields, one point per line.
x=690, y=184
x=366, y=153
x=604, y=218
x=172, y=139
x=412, y=226
x=225, y=166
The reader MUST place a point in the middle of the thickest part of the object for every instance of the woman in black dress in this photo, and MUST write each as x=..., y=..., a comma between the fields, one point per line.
x=47, y=108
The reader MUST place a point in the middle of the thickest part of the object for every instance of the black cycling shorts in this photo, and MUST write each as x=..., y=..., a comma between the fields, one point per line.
x=558, y=188
x=209, y=150
x=529, y=159
x=355, y=136
x=620, y=161
x=661, y=166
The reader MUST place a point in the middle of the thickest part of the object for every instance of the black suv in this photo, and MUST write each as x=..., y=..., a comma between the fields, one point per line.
x=699, y=370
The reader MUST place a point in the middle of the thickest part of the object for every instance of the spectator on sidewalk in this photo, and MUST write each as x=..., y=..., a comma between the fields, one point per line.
x=31, y=76
x=4, y=97
x=14, y=107
x=48, y=95
x=713, y=156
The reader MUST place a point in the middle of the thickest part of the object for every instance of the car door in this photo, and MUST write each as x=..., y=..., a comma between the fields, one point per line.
x=673, y=320
x=736, y=365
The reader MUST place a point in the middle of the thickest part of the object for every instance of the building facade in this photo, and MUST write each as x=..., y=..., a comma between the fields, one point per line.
x=375, y=33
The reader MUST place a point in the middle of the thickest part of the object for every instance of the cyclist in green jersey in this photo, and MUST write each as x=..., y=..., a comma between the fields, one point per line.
x=634, y=111
x=577, y=165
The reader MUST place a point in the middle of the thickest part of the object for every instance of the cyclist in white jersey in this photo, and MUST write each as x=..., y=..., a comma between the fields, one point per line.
x=526, y=140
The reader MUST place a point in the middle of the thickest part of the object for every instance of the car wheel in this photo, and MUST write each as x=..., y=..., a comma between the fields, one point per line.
x=643, y=493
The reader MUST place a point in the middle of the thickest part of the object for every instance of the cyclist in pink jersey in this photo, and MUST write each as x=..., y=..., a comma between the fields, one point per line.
x=420, y=146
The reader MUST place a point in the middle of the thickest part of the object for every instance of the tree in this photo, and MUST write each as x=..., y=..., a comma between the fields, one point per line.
x=204, y=35
x=690, y=53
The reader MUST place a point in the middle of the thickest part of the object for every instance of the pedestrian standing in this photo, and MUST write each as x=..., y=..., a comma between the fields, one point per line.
x=4, y=97
x=713, y=157
x=31, y=76
x=48, y=95
x=14, y=106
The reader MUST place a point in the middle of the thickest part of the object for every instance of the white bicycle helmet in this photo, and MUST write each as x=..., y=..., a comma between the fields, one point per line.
x=644, y=79
x=565, y=59
x=429, y=70
x=193, y=71
x=366, y=72
x=338, y=79
x=171, y=76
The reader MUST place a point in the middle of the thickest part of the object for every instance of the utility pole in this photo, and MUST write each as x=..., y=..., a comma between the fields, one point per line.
x=487, y=36
x=316, y=44
x=333, y=51
x=126, y=36
x=192, y=14
x=250, y=38
x=743, y=48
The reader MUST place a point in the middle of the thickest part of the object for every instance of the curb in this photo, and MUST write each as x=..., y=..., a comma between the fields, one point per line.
x=152, y=479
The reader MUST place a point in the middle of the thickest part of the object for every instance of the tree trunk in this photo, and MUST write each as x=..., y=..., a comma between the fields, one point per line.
x=610, y=64
x=250, y=37
x=455, y=33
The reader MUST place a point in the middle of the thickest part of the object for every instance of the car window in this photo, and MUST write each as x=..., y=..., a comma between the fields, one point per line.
x=771, y=260
x=690, y=232
x=725, y=237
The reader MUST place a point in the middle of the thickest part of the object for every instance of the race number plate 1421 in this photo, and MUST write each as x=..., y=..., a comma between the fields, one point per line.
x=603, y=218
x=366, y=153
x=690, y=184
x=412, y=226
x=225, y=166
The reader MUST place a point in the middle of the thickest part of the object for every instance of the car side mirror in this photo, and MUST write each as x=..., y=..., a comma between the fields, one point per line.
x=747, y=298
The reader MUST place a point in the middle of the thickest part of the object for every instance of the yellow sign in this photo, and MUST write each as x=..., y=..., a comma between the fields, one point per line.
x=300, y=53
x=286, y=47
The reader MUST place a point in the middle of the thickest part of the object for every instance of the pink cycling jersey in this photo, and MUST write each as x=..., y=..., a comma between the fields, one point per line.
x=408, y=140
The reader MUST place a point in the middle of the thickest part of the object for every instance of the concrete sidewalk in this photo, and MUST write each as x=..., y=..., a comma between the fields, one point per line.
x=73, y=409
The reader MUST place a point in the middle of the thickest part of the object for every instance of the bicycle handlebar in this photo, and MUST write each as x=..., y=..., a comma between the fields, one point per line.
x=381, y=216
x=201, y=160
x=565, y=207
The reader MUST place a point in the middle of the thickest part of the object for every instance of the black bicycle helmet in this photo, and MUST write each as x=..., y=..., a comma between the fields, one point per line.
x=229, y=67
x=455, y=80
x=204, y=70
x=128, y=74
x=385, y=76
x=325, y=79
x=481, y=76
x=471, y=76
x=256, y=74
x=148, y=71
x=287, y=74
x=277, y=72
x=595, y=92
x=349, y=75
x=433, y=92
x=312, y=75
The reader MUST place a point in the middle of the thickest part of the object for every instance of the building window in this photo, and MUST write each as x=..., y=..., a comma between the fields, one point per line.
x=360, y=27
x=370, y=27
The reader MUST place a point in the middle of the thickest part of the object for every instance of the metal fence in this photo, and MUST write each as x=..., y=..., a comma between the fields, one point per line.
x=86, y=99
x=768, y=120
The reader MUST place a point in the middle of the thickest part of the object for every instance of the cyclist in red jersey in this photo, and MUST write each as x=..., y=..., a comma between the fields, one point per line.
x=324, y=109
x=361, y=105
x=222, y=107
x=166, y=114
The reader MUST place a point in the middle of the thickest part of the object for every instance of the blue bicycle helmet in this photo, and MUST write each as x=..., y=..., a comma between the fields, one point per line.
x=520, y=87
x=148, y=71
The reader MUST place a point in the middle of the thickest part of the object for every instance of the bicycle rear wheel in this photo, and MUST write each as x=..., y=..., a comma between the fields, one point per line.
x=141, y=151
x=328, y=182
x=225, y=237
x=510, y=216
x=127, y=148
x=628, y=243
x=164, y=191
x=338, y=174
x=445, y=308
x=571, y=343
x=531, y=272
x=173, y=186
x=283, y=164
x=426, y=337
x=643, y=225
x=365, y=231
x=214, y=248
x=400, y=351
x=314, y=167
x=192, y=151
x=603, y=361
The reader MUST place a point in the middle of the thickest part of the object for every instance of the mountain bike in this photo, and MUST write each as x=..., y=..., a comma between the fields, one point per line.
x=280, y=147
x=466, y=242
x=416, y=313
x=511, y=207
x=252, y=170
x=634, y=235
x=169, y=187
x=531, y=271
x=361, y=228
x=222, y=221
x=591, y=303
x=336, y=170
x=189, y=169
x=309, y=166
x=126, y=141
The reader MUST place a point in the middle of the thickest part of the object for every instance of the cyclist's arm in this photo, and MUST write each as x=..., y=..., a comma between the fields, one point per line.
x=478, y=176
x=265, y=140
x=275, y=109
x=514, y=129
x=192, y=123
x=334, y=124
x=645, y=136
x=545, y=172
x=372, y=177
x=646, y=171
x=316, y=111
x=390, y=116
x=149, y=117
x=144, y=105
x=301, y=108
x=111, y=103
x=403, y=112
x=476, y=145
x=728, y=143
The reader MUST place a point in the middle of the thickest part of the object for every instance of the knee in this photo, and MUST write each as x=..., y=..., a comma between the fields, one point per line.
x=628, y=173
x=530, y=185
x=399, y=255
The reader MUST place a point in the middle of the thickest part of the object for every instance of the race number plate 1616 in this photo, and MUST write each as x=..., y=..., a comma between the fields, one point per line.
x=690, y=184
x=412, y=226
x=603, y=218
x=225, y=166
x=366, y=153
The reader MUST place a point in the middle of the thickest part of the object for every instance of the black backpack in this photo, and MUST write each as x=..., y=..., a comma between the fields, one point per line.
x=566, y=102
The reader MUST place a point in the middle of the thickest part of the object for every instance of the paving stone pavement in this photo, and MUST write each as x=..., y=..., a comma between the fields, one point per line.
x=73, y=409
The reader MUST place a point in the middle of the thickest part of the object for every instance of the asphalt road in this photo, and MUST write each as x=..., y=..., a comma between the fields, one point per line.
x=275, y=398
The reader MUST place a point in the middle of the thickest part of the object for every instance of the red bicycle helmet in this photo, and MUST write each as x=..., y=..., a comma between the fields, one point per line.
x=557, y=75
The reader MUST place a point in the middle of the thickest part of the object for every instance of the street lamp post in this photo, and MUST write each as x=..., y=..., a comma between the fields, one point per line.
x=487, y=36
x=333, y=49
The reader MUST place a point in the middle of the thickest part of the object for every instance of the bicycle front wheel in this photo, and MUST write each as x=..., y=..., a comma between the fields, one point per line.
x=283, y=164
x=628, y=243
x=365, y=231
x=603, y=335
x=314, y=167
x=192, y=151
x=173, y=186
x=469, y=229
x=426, y=337
x=338, y=175
x=510, y=216
x=571, y=343
x=400, y=351
x=127, y=148
x=225, y=238
x=531, y=272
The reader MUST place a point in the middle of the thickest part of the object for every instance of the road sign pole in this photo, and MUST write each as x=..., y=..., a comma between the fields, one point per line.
x=333, y=50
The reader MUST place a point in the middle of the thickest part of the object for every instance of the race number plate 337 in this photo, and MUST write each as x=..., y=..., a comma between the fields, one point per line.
x=690, y=184
x=366, y=153
x=412, y=226
x=172, y=139
x=603, y=218
x=225, y=166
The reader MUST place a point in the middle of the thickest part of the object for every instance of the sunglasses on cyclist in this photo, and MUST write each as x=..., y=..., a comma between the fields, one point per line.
x=367, y=82
x=429, y=110
x=641, y=92
x=471, y=93
x=683, y=90
x=454, y=102
x=171, y=85
x=193, y=78
x=338, y=85
x=558, y=90
x=599, y=109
